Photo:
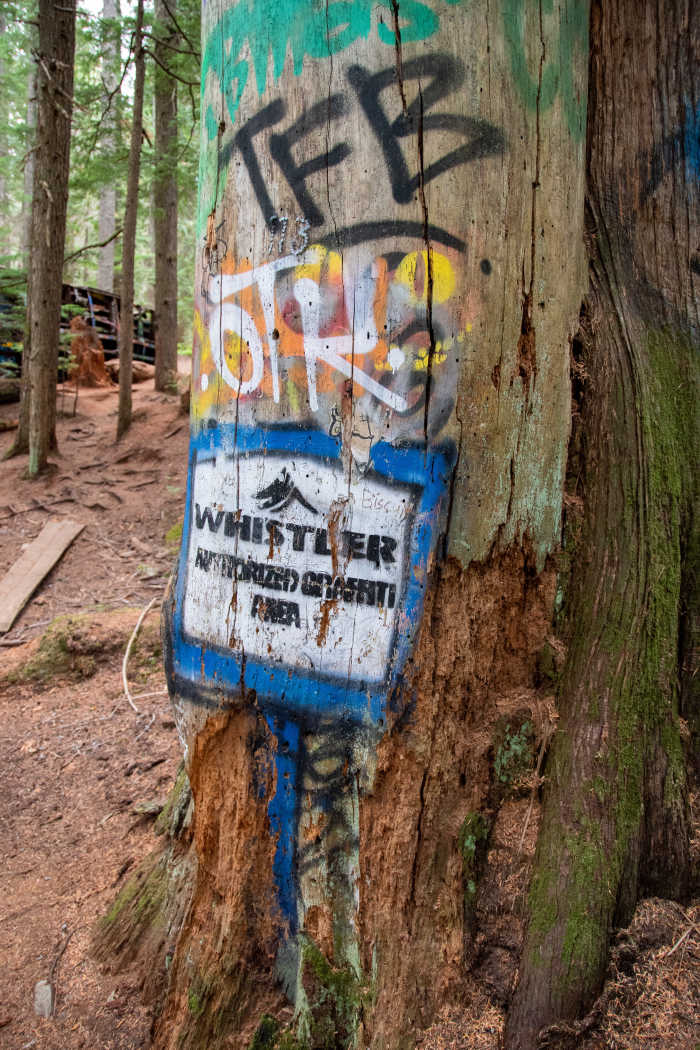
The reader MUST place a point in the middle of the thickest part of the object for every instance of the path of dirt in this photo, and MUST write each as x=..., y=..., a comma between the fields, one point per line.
x=77, y=762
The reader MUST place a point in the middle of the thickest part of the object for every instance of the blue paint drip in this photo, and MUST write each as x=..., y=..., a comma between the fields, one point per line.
x=283, y=813
x=691, y=142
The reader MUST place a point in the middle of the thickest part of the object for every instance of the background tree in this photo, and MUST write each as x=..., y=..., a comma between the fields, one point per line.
x=29, y=168
x=126, y=324
x=16, y=41
x=108, y=193
x=165, y=196
x=50, y=198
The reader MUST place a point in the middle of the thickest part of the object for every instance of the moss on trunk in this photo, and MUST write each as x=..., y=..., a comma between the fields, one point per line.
x=615, y=818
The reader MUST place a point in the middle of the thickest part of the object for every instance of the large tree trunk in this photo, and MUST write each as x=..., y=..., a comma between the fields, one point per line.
x=3, y=135
x=108, y=192
x=126, y=319
x=20, y=444
x=391, y=211
x=615, y=822
x=165, y=201
x=49, y=204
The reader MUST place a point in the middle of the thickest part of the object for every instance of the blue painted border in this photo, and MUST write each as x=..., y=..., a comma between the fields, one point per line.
x=306, y=693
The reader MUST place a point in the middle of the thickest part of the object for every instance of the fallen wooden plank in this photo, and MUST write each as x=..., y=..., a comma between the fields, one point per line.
x=22, y=579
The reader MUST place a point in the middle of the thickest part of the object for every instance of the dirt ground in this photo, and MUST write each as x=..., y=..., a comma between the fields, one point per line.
x=78, y=763
x=84, y=775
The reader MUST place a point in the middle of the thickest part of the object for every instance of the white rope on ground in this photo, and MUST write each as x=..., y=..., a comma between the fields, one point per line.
x=125, y=661
x=147, y=696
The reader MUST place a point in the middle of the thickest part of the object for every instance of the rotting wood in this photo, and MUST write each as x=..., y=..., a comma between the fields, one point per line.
x=22, y=579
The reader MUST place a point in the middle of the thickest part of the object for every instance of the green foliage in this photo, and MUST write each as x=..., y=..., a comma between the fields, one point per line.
x=174, y=534
x=16, y=41
x=335, y=998
x=171, y=817
x=65, y=648
x=194, y=1003
x=99, y=147
x=514, y=753
x=472, y=842
x=13, y=290
x=266, y=1033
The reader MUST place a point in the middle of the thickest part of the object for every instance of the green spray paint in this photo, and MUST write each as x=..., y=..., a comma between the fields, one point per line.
x=557, y=72
x=306, y=27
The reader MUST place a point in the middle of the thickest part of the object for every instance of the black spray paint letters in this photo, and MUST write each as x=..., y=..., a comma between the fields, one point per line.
x=272, y=532
x=349, y=589
x=443, y=74
x=275, y=610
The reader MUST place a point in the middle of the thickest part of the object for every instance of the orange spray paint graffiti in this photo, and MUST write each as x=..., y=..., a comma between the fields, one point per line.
x=301, y=328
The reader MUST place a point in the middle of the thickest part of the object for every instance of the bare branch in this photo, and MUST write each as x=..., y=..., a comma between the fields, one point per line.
x=89, y=247
x=71, y=98
x=187, y=83
x=171, y=47
x=179, y=28
x=112, y=94
x=185, y=149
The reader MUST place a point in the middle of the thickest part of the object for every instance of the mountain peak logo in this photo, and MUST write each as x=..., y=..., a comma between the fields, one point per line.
x=280, y=493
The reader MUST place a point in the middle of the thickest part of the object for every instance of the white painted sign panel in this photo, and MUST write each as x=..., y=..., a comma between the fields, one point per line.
x=290, y=565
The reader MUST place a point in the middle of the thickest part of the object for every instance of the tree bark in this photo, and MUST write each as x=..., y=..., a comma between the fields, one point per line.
x=20, y=444
x=49, y=204
x=126, y=320
x=108, y=193
x=29, y=169
x=165, y=201
x=391, y=265
x=3, y=134
x=615, y=822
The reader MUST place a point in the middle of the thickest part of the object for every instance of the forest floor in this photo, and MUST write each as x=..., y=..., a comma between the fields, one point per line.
x=78, y=763
x=85, y=775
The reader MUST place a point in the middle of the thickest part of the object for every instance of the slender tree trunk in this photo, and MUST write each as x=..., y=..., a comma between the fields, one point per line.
x=108, y=193
x=615, y=822
x=3, y=137
x=50, y=199
x=20, y=445
x=165, y=202
x=126, y=323
x=28, y=180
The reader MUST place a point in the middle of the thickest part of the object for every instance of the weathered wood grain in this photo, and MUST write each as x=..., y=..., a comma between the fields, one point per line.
x=22, y=579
